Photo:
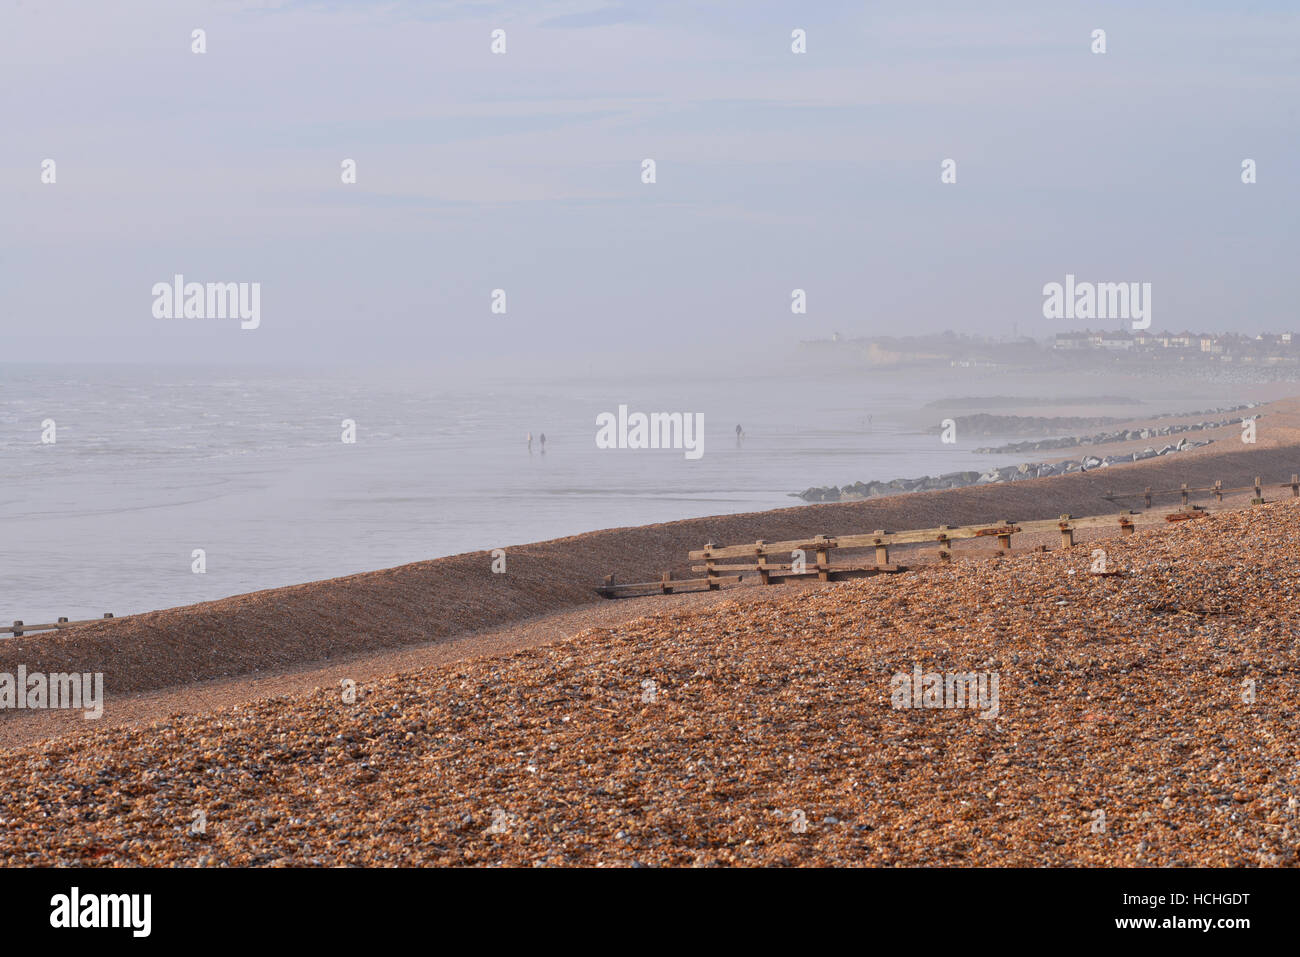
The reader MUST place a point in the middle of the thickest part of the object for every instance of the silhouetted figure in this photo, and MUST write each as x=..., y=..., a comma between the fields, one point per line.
x=530, y=443
x=543, y=441
x=740, y=436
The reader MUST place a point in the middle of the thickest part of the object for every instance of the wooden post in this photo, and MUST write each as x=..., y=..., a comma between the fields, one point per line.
x=18, y=629
x=945, y=544
x=882, y=549
x=1067, y=533
x=763, y=574
x=1184, y=491
x=1295, y=485
x=823, y=559
x=1259, y=494
x=668, y=589
x=1004, y=539
x=1148, y=496
x=1218, y=490
x=1125, y=525
x=710, y=571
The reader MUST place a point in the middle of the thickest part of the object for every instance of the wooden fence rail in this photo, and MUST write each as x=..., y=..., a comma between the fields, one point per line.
x=1216, y=489
x=19, y=629
x=776, y=561
x=794, y=561
x=665, y=586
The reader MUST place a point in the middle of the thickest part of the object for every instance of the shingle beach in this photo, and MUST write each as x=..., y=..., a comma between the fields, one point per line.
x=1144, y=718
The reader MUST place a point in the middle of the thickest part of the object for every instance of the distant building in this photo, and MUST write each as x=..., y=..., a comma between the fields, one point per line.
x=1072, y=340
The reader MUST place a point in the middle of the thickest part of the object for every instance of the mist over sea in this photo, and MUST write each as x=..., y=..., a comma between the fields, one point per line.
x=151, y=463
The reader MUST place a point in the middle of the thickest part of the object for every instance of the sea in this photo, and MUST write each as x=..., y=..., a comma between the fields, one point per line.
x=150, y=464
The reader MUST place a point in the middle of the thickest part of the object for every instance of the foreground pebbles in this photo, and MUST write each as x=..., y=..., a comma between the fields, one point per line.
x=1144, y=717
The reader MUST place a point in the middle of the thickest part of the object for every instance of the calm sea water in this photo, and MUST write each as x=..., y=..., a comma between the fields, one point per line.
x=151, y=463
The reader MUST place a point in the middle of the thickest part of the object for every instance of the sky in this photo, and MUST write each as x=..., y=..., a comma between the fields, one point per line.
x=522, y=171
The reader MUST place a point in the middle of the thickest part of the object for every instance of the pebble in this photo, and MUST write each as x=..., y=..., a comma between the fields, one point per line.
x=1117, y=694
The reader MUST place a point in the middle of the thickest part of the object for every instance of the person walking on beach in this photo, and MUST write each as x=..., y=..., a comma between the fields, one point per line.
x=530, y=443
x=543, y=437
x=740, y=435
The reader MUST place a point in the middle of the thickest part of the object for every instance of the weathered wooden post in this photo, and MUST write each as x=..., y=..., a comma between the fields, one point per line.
x=710, y=572
x=1295, y=485
x=764, y=575
x=1183, y=489
x=1067, y=532
x=668, y=577
x=945, y=544
x=1259, y=494
x=1148, y=496
x=18, y=629
x=1125, y=525
x=1004, y=538
x=1218, y=491
x=823, y=558
x=882, y=547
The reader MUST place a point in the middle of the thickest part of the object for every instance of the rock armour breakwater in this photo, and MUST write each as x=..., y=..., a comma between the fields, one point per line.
x=1009, y=473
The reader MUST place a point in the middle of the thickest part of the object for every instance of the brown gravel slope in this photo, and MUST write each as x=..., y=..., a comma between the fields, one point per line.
x=25, y=726
x=282, y=628
x=1121, y=695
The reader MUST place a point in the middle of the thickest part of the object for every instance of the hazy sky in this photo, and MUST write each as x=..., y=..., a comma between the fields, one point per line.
x=523, y=172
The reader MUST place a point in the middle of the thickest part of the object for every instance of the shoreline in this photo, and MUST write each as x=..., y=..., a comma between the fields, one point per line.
x=1119, y=446
x=97, y=508
x=780, y=709
x=253, y=637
